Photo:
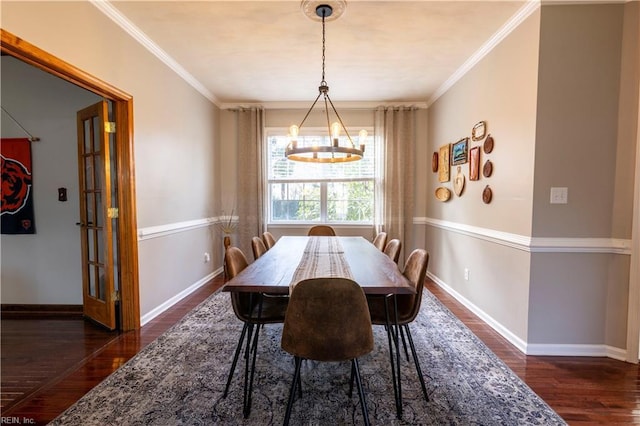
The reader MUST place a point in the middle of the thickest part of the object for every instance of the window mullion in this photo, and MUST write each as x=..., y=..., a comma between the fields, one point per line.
x=323, y=201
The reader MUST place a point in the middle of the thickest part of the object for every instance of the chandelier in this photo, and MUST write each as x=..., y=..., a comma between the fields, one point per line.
x=334, y=152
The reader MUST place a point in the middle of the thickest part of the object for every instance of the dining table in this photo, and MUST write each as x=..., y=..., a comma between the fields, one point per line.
x=294, y=258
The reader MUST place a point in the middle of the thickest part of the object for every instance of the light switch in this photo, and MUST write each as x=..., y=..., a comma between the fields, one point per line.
x=559, y=195
x=62, y=194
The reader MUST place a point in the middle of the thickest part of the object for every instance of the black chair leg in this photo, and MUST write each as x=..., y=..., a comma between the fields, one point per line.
x=249, y=389
x=404, y=343
x=353, y=375
x=391, y=361
x=235, y=359
x=292, y=392
x=356, y=367
x=416, y=362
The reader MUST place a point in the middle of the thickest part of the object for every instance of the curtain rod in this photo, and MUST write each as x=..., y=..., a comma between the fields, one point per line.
x=31, y=137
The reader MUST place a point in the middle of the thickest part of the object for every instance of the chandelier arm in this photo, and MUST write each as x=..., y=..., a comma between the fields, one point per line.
x=310, y=109
x=326, y=96
x=326, y=110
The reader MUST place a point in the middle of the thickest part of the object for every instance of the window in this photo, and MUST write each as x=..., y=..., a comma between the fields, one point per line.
x=309, y=192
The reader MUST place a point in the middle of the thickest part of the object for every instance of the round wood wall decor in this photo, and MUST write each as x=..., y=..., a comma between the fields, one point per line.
x=443, y=194
x=487, y=194
x=487, y=169
x=488, y=144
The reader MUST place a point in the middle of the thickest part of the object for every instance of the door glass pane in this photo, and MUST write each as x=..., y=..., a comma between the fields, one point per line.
x=87, y=135
x=101, y=284
x=92, y=281
x=100, y=245
x=89, y=209
x=99, y=210
x=88, y=173
x=99, y=171
x=96, y=134
x=91, y=258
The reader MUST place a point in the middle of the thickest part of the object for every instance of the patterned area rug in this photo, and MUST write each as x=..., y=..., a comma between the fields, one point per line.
x=179, y=379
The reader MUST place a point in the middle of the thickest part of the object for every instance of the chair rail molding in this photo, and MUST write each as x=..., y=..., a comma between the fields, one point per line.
x=150, y=232
x=533, y=244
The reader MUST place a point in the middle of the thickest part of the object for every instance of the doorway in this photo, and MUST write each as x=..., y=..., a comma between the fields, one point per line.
x=127, y=257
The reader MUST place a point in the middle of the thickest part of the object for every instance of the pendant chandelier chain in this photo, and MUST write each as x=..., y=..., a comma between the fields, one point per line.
x=323, y=82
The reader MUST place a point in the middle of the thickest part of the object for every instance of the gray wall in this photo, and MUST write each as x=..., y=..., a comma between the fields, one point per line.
x=44, y=268
x=574, y=295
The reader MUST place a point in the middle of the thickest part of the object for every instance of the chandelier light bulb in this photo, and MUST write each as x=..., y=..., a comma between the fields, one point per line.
x=362, y=137
x=294, y=131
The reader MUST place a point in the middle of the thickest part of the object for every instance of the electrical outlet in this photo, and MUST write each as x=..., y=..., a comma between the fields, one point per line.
x=207, y=258
x=466, y=274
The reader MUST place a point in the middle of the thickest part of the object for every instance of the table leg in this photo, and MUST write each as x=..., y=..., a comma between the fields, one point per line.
x=397, y=334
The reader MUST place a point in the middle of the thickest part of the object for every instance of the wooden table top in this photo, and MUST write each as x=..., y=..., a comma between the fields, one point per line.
x=374, y=271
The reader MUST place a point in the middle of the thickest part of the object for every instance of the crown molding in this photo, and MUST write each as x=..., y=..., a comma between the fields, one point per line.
x=523, y=13
x=305, y=105
x=119, y=19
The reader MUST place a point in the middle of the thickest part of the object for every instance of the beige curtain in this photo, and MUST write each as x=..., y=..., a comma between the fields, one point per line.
x=395, y=133
x=250, y=178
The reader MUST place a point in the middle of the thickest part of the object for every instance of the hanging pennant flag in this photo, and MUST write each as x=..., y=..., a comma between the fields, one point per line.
x=17, y=187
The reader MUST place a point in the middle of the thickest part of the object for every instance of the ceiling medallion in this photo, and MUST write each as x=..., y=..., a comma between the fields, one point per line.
x=309, y=8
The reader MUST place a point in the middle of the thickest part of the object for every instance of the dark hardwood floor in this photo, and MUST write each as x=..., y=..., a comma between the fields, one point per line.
x=48, y=365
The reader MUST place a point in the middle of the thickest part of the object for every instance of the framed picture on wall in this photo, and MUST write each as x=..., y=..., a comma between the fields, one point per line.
x=443, y=163
x=474, y=163
x=459, y=152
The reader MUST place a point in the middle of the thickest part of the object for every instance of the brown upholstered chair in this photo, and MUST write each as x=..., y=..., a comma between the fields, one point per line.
x=321, y=230
x=392, y=249
x=258, y=247
x=268, y=239
x=254, y=310
x=327, y=320
x=380, y=241
x=415, y=270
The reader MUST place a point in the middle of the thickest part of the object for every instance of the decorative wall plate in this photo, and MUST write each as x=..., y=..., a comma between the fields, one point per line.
x=443, y=194
x=434, y=162
x=487, y=194
x=458, y=182
x=488, y=144
x=487, y=169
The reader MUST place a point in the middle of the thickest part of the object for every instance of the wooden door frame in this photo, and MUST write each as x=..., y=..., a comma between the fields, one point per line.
x=123, y=116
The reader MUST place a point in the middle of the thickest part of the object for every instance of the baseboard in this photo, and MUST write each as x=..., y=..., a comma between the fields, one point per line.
x=30, y=311
x=533, y=348
x=178, y=297
x=576, y=350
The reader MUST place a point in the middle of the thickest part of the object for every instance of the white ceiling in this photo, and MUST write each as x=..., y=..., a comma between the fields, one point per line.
x=269, y=52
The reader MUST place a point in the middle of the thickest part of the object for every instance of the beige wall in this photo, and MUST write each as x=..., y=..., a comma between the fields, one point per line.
x=175, y=135
x=501, y=90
